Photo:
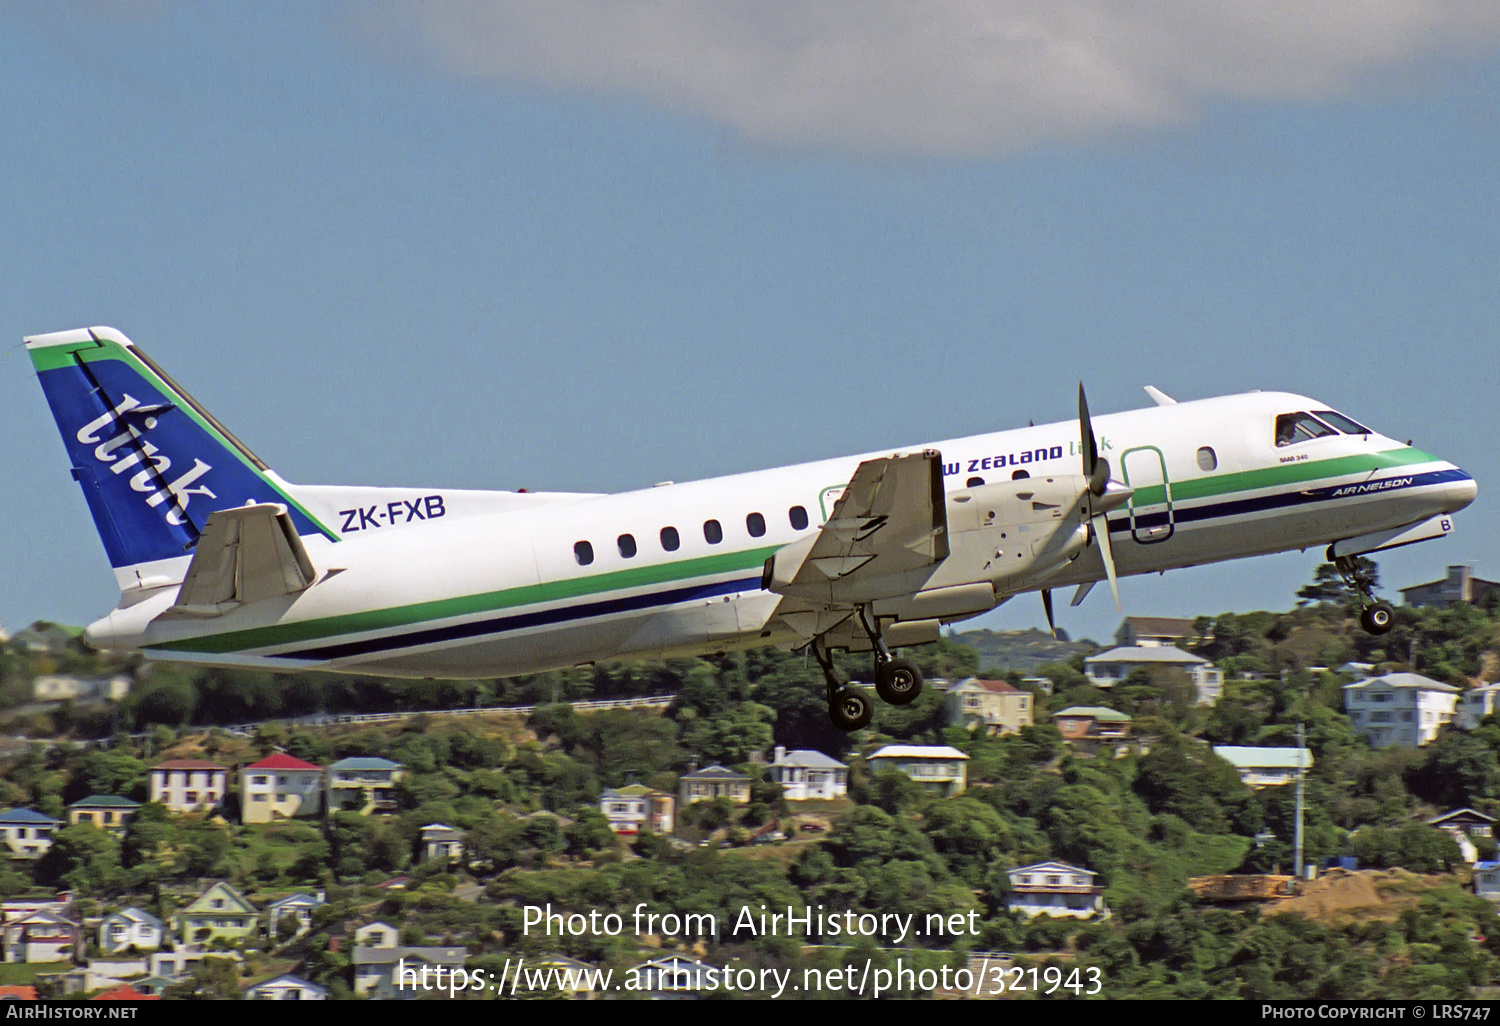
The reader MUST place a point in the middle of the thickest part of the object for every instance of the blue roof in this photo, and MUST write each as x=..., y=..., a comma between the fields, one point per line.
x=29, y=817
x=365, y=763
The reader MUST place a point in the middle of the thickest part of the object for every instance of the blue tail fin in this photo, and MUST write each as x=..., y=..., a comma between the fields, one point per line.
x=152, y=463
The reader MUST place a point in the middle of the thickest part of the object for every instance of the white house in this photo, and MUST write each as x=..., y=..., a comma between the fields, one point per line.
x=364, y=784
x=384, y=968
x=1154, y=632
x=1487, y=880
x=27, y=833
x=286, y=987
x=996, y=705
x=441, y=841
x=280, y=787
x=42, y=937
x=1399, y=708
x=806, y=774
x=938, y=768
x=1107, y=669
x=189, y=785
x=298, y=908
x=127, y=928
x=1055, y=889
x=1476, y=704
x=1266, y=767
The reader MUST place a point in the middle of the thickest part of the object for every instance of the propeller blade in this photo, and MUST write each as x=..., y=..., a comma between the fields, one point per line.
x=1047, y=605
x=1101, y=533
x=1086, y=435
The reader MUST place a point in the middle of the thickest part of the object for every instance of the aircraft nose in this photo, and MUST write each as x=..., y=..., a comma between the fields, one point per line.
x=1461, y=492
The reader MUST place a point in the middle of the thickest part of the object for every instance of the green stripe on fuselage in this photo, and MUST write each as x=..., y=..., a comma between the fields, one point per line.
x=442, y=609
x=1284, y=474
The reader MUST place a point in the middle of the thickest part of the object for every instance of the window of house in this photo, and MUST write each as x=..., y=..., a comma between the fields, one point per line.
x=713, y=532
x=583, y=552
x=798, y=517
x=756, y=525
x=669, y=539
x=626, y=542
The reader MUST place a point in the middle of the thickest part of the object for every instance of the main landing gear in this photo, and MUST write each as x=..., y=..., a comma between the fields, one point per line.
x=1375, y=617
x=897, y=681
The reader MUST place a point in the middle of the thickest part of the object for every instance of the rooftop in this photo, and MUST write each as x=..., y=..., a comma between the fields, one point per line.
x=919, y=752
x=369, y=762
x=1404, y=680
x=105, y=801
x=809, y=758
x=1097, y=712
x=26, y=817
x=1146, y=654
x=1251, y=757
x=283, y=761
x=189, y=764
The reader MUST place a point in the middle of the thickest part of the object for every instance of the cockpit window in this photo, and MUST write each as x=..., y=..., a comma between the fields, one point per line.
x=1292, y=428
x=1343, y=423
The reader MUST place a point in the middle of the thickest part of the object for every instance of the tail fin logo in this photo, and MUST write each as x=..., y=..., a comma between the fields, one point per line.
x=129, y=449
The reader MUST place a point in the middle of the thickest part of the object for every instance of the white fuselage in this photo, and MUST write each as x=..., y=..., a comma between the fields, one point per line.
x=434, y=583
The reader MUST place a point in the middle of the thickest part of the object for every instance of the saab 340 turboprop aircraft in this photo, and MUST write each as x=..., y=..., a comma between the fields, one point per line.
x=221, y=561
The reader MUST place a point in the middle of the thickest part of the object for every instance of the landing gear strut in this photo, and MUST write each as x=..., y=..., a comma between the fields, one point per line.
x=1375, y=617
x=848, y=707
x=897, y=681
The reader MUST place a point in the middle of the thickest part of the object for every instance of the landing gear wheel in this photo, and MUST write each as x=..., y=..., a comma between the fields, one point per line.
x=850, y=708
x=898, y=681
x=1377, y=618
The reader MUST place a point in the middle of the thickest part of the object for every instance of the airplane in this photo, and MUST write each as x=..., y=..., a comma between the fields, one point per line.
x=220, y=561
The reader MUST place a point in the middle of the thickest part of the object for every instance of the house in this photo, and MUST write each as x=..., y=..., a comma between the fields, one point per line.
x=80, y=689
x=189, y=785
x=994, y=705
x=570, y=977
x=298, y=908
x=156, y=985
x=936, y=767
x=1487, y=880
x=1459, y=586
x=105, y=811
x=280, y=786
x=384, y=968
x=1266, y=767
x=19, y=908
x=714, y=782
x=1399, y=708
x=636, y=807
x=27, y=833
x=805, y=774
x=364, y=785
x=1356, y=670
x=286, y=987
x=42, y=937
x=125, y=992
x=1091, y=723
x=441, y=841
x=1107, y=669
x=1055, y=889
x=176, y=966
x=219, y=912
x=18, y=991
x=671, y=976
x=1464, y=826
x=1476, y=704
x=1156, y=632
x=129, y=928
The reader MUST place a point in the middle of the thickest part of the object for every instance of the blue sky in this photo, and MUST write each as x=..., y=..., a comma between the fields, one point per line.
x=572, y=246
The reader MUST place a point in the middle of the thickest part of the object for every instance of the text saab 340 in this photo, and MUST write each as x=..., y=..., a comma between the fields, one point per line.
x=221, y=561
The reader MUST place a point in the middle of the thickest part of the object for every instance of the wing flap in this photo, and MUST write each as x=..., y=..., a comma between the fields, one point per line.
x=246, y=554
x=889, y=524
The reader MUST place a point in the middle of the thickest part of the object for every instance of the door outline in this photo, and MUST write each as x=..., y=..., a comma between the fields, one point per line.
x=1149, y=535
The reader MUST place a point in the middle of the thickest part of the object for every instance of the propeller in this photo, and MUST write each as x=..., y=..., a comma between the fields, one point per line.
x=1047, y=605
x=1096, y=470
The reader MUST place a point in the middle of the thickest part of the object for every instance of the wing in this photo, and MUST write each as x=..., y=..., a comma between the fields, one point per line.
x=245, y=554
x=887, y=532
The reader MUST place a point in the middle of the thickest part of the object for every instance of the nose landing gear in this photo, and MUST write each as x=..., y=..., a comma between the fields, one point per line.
x=1375, y=617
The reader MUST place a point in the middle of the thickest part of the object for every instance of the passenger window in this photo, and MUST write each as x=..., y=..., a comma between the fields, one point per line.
x=627, y=545
x=1207, y=459
x=583, y=552
x=974, y=482
x=1019, y=475
x=1293, y=428
x=713, y=532
x=669, y=539
x=798, y=516
x=756, y=525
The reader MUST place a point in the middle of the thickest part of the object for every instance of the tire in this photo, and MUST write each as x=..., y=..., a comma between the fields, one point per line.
x=1377, y=618
x=850, y=709
x=898, y=682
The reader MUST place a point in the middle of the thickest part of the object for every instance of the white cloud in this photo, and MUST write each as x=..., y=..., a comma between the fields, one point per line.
x=950, y=77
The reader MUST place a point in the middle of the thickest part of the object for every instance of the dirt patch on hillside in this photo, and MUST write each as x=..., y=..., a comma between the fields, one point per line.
x=1364, y=894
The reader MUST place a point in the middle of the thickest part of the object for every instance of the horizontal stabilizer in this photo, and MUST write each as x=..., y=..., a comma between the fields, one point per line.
x=246, y=554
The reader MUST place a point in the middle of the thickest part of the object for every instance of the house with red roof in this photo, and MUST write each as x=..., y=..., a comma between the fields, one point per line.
x=125, y=992
x=280, y=786
x=189, y=785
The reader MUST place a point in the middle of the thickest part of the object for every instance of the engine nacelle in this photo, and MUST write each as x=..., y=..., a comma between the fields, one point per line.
x=1015, y=534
